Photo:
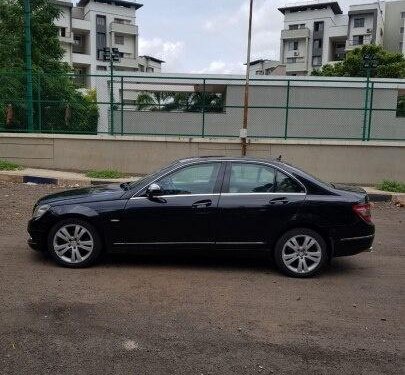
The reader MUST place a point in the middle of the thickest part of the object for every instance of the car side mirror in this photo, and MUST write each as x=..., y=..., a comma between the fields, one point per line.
x=153, y=190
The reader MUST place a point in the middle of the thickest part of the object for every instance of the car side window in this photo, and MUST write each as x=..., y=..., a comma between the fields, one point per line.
x=251, y=178
x=196, y=179
x=286, y=184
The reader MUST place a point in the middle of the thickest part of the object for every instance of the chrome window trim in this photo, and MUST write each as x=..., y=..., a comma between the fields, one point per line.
x=180, y=195
x=271, y=193
x=269, y=164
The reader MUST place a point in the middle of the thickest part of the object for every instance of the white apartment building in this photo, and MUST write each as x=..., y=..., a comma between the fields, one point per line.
x=265, y=67
x=317, y=32
x=394, y=34
x=86, y=29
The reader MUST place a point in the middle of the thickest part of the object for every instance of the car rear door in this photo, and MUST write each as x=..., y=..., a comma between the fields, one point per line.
x=256, y=203
x=184, y=214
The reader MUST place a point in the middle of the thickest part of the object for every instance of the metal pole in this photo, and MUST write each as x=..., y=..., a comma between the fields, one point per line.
x=28, y=65
x=203, y=111
x=287, y=110
x=111, y=95
x=39, y=104
x=366, y=104
x=370, y=111
x=122, y=105
x=243, y=134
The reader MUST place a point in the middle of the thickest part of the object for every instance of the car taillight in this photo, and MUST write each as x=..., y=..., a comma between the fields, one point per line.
x=363, y=210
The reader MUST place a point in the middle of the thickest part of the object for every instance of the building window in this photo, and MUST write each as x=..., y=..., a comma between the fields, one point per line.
x=359, y=22
x=402, y=14
x=119, y=39
x=62, y=31
x=101, y=67
x=358, y=40
x=293, y=45
x=318, y=26
x=141, y=68
x=317, y=43
x=291, y=60
x=297, y=26
x=401, y=45
x=401, y=30
x=150, y=70
x=317, y=61
x=100, y=20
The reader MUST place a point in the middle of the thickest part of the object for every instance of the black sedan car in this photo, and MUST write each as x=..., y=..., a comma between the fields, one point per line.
x=209, y=202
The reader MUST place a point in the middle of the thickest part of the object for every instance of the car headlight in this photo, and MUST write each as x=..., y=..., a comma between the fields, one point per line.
x=40, y=210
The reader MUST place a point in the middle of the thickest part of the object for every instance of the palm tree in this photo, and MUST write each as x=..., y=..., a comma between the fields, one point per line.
x=154, y=101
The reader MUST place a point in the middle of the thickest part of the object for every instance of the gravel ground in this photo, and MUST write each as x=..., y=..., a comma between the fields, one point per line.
x=197, y=314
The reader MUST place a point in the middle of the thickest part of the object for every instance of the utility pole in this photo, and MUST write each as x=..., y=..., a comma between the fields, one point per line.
x=28, y=65
x=111, y=55
x=243, y=131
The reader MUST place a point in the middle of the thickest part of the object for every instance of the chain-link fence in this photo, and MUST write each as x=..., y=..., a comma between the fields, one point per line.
x=205, y=106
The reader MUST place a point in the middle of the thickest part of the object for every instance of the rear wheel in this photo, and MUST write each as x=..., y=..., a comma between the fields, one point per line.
x=300, y=252
x=74, y=243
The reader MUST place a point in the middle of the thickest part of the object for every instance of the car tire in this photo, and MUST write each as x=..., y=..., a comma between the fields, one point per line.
x=300, y=252
x=74, y=243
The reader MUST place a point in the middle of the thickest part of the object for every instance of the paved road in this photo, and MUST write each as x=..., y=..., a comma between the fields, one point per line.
x=196, y=313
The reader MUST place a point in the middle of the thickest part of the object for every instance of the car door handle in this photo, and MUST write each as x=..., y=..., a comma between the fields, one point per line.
x=281, y=200
x=202, y=204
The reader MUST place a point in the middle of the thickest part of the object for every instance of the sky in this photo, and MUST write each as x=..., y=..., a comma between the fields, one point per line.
x=210, y=36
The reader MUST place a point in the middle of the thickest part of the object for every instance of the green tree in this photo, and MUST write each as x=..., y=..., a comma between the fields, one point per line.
x=388, y=64
x=52, y=82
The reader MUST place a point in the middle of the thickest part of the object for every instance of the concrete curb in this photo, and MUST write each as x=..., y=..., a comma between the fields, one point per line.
x=51, y=181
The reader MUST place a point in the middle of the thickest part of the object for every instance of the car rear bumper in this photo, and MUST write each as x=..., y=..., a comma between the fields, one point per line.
x=353, y=245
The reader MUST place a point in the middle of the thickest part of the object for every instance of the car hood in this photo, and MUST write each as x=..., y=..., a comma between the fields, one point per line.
x=91, y=193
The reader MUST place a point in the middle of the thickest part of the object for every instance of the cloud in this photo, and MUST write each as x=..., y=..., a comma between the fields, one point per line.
x=221, y=67
x=169, y=51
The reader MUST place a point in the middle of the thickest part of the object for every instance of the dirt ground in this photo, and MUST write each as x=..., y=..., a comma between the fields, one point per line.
x=171, y=313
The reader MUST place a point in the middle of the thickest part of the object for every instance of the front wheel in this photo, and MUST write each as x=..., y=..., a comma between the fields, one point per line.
x=74, y=243
x=300, y=252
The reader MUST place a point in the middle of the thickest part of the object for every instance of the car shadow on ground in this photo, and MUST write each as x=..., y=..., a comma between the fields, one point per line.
x=230, y=260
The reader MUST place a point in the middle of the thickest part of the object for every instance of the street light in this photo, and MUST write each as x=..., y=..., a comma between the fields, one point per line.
x=112, y=55
x=243, y=131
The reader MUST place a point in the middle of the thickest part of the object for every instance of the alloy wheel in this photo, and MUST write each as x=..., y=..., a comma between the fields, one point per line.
x=73, y=243
x=301, y=254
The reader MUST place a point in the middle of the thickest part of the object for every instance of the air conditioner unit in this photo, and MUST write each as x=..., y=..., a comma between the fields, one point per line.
x=369, y=31
x=296, y=53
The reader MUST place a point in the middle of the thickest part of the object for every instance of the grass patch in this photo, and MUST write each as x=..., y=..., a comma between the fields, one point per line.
x=392, y=186
x=8, y=166
x=108, y=173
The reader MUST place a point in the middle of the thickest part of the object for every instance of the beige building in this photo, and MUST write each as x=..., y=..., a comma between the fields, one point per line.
x=86, y=29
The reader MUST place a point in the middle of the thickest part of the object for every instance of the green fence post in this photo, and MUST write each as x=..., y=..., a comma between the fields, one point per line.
x=203, y=111
x=111, y=96
x=370, y=111
x=28, y=65
x=39, y=104
x=366, y=105
x=287, y=110
x=122, y=105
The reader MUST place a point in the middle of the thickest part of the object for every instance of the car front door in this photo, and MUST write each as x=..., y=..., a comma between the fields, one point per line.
x=257, y=201
x=184, y=213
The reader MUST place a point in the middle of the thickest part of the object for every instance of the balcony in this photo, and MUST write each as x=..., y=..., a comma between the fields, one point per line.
x=354, y=43
x=79, y=24
x=296, y=67
x=81, y=58
x=127, y=62
x=295, y=34
x=67, y=38
x=123, y=28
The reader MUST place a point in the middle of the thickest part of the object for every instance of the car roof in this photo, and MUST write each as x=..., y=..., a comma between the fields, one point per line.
x=229, y=158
